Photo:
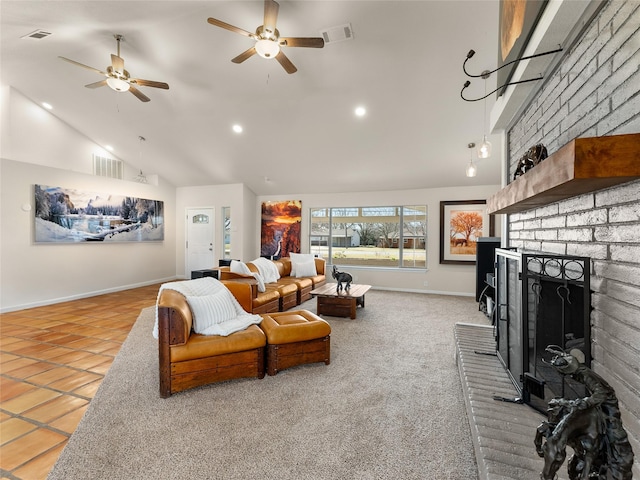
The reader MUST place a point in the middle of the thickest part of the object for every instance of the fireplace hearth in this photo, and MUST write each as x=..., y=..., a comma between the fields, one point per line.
x=541, y=299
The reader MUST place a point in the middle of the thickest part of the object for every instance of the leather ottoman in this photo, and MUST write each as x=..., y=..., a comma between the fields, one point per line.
x=295, y=338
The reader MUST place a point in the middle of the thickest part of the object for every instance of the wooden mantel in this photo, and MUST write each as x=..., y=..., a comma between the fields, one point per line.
x=583, y=165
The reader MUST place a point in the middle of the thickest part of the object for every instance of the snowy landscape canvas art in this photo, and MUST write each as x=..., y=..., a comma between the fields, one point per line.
x=67, y=215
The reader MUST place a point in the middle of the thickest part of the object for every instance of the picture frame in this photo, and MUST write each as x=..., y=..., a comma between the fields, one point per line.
x=72, y=215
x=518, y=20
x=280, y=228
x=462, y=222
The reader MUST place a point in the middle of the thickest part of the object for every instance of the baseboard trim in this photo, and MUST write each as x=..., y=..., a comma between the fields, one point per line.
x=53, y=301
x=430, y=292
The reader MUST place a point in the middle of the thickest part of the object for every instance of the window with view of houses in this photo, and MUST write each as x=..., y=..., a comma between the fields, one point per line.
x=390, y=237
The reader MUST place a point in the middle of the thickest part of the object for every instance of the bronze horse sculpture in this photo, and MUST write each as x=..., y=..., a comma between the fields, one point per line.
x=582, y=430
x=590, y=425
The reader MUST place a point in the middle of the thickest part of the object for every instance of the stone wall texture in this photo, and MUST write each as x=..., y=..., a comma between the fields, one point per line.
x=594, y=92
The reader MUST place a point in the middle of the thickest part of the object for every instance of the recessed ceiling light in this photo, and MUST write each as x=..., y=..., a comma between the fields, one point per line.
x=237, y=128
x=109, y=147
x=360, y=111
x=46, y=105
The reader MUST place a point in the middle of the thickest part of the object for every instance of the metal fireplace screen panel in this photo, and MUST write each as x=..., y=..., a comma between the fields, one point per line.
x=556, y=297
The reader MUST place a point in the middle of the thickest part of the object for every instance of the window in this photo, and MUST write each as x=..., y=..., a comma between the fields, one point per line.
x=389, y=237
x=226, y=233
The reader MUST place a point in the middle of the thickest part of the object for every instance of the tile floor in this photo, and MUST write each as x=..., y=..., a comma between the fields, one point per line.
x=52, y=361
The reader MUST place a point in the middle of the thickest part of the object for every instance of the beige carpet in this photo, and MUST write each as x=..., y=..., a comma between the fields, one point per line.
x=389, y=406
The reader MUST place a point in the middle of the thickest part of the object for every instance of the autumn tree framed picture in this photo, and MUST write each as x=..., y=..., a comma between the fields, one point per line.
x=462, y=222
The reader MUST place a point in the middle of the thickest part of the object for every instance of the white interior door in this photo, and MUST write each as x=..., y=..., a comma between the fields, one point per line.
x=200, y=239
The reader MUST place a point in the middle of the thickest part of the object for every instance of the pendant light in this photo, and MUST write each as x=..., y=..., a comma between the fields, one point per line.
x=471, y=168
x=141, y=178
x=484, y=149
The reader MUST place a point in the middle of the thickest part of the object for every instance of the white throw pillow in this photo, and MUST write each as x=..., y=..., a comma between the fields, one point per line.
x=306, y=269
x=212, y=309
x=298, y=259
x=239, y=267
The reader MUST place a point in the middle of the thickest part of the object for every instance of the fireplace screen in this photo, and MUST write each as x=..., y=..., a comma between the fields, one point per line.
x=543, y=299
x=557, y=313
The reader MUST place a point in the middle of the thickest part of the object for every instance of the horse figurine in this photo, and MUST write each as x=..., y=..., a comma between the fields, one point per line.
x=341, y=277
x=530, y=159
x=583, y=431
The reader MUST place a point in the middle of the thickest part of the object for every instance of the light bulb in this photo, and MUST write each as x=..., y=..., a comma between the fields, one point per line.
x=484, y=149
x=267, y=48
x=471, y=169
x=117, y=84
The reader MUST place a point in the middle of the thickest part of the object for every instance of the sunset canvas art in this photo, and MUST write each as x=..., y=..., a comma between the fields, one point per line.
x=280, y=228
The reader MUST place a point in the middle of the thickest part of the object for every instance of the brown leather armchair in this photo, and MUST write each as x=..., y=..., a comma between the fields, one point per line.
x=188, y=360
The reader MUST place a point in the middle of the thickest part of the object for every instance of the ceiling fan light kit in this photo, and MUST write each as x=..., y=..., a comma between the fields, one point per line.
x=117, y=84
x=118, y=78
x=267, y=48
x=267, y=38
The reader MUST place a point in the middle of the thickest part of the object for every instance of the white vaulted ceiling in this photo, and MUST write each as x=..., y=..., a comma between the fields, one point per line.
x=404, y=64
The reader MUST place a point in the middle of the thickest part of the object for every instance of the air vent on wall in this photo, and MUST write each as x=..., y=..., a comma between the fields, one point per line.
x=337, y=34
x=107, y=167
x=37, y=35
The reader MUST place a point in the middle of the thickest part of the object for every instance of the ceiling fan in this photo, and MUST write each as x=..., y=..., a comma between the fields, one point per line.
x=268, y=39
x=118, y=78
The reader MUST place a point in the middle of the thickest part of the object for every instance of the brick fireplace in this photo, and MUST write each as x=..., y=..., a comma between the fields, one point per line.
x=594, y=92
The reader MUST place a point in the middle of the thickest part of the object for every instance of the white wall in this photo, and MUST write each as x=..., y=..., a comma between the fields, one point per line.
x=236, y=196
x=447, y=279
x=32, y=134
x=37, y=148
x=39, y=274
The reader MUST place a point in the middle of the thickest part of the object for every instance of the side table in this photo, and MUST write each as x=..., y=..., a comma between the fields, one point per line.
x=207, y=272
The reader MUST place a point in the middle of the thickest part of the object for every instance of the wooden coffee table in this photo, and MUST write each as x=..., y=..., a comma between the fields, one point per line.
x=341, y=304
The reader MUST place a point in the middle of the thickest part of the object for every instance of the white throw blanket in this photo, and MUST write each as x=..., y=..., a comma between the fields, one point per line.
x=214, y=309
x=267, y=269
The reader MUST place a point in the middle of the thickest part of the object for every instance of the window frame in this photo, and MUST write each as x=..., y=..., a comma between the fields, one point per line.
x=333, y=218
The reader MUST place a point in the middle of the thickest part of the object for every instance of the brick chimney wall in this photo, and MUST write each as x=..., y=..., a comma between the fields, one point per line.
x=595, y=92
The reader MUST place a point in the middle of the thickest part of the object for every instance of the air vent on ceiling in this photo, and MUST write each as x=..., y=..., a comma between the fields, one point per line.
x=337, y=34
x=37, y=35
x=108, y=167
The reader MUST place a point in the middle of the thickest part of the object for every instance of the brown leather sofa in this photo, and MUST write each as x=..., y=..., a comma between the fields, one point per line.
x=188, y=360
x=289, y=291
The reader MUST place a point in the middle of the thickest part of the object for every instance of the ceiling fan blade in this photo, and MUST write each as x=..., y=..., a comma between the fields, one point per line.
x=141, y=96
x=311, y=42
x=286, y=63
x=226, y=26
x=83, y=66
x=117, y=63
x=101, y=83
x=270, y=15
x=244, y=55
x=149, y=83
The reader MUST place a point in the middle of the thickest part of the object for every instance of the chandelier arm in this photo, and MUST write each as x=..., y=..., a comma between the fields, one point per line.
x=467, y=83
x=486, y=74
